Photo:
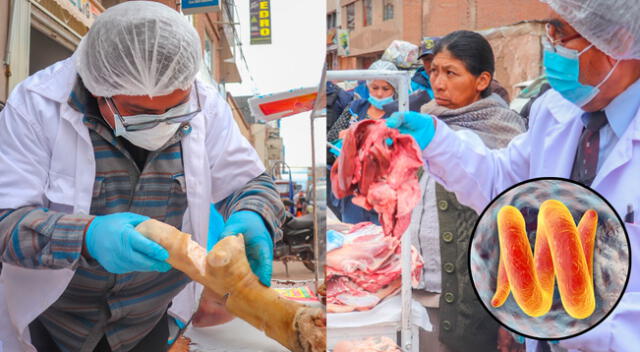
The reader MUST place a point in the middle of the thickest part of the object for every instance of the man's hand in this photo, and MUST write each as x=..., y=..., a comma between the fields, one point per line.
x=421, y=127
x=211, y=310
x=509, y=342
x=336, y=147
x=120, y=249
x=257, y=240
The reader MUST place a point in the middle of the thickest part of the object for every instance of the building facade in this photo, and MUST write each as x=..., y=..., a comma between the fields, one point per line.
x=371, y=25
x=36, y=33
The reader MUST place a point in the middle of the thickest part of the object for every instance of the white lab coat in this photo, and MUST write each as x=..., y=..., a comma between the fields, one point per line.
x=47, y=159
x=464, y=165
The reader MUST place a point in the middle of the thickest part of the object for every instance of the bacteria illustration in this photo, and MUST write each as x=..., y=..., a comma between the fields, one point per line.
x=526, y=258
x=562, y=252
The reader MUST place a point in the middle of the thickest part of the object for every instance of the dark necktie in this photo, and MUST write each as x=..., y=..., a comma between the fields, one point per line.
x=585, y=165
x=543, y=346
x=586, y=161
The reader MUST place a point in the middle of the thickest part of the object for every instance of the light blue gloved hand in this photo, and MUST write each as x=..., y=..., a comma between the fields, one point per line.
x=257, y=240
x=119, y=248
x=420, y=126
x=520, y=339
x=338, y=147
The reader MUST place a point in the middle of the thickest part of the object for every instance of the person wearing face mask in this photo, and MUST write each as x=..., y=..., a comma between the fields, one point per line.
x=380, y=93
x=94, y=145
x=586, y=128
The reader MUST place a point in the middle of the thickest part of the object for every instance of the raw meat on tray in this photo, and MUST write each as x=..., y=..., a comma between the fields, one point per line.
x=366, y=269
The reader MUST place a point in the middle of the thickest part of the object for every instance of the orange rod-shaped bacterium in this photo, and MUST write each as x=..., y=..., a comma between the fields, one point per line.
x=561, y=251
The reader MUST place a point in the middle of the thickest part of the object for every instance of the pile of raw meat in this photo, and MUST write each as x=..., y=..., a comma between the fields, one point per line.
x=380, y=176
x=366, y=269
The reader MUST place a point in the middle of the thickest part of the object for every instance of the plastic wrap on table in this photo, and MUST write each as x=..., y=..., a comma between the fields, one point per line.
x=378, y=344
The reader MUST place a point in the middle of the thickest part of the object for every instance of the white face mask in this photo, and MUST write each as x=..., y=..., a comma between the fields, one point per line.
x=152, y=138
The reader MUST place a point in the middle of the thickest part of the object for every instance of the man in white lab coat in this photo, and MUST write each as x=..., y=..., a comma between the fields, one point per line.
x=586, y=128
x=94, y=145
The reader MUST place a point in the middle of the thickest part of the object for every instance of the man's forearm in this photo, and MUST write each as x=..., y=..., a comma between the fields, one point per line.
x=258, y=195
x=34, y=237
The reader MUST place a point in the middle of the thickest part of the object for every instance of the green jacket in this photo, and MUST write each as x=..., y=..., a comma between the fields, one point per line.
x=465, y=325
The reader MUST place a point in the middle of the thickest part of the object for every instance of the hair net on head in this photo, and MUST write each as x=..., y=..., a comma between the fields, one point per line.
x=139, y=48
x=612, y=26
x=384, y=65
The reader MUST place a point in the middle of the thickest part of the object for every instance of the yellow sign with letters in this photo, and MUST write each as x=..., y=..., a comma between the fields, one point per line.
x=260, y=12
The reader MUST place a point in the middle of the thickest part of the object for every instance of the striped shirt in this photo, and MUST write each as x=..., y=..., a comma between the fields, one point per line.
x=123, y=308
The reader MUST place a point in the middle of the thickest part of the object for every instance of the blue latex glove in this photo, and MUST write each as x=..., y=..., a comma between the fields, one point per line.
x=420, y=126
x=175, y=325
x=216, y=224
x=520, y=339
x=119, y=248
x=335, y=240
x=337, y=144
x=257, y=240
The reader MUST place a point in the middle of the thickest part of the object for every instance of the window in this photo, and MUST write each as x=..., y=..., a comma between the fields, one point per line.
x=387, y=10
x=367, y=11
x=331, y=20
x=351, y=16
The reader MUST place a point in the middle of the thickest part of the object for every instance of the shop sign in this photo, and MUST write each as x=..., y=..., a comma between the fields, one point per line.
x=260, y=20
x=190, y=7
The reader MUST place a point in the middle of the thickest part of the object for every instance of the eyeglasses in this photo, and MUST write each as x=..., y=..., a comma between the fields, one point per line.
x=152, y=120
x=549, y=27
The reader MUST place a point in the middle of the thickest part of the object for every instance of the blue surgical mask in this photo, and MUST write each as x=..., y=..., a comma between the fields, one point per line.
x=379, y=103
x=562, y=68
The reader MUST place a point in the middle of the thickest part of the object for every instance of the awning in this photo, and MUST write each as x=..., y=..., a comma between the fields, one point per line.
x=229, y=69
x=275, y=106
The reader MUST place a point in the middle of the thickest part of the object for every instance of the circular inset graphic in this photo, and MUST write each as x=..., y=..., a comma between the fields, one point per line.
x=549, y=258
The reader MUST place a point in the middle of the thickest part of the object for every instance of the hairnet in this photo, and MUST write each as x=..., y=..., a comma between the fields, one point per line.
x=139, y=48
x=384, y=65
x=612, y=26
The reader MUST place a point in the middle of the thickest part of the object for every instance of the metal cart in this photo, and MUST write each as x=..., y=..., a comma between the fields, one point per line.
x=401, y=78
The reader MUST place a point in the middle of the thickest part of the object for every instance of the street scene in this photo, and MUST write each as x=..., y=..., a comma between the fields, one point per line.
x=319, y=175
x=170, y=183
x=437, y=112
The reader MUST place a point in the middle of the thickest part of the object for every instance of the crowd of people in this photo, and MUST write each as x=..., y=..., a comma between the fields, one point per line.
x=475, y=146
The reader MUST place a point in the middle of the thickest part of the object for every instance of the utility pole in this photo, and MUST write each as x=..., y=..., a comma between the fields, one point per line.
x=336, y=59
